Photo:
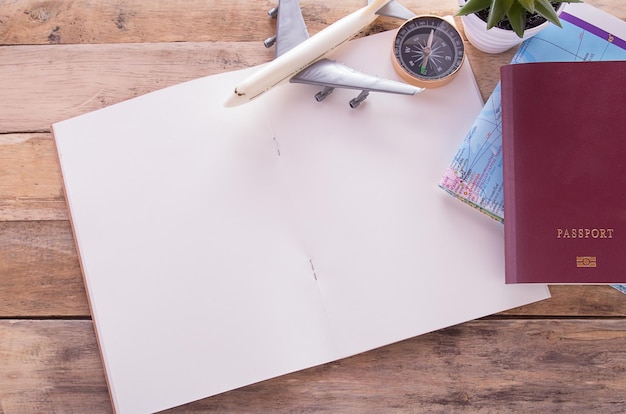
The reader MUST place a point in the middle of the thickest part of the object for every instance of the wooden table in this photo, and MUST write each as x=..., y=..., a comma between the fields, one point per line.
x=62, y=58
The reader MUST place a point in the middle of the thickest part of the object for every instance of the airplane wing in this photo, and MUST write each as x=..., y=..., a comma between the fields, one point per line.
x=328, y=73
x=291, y=31
x=290, y=26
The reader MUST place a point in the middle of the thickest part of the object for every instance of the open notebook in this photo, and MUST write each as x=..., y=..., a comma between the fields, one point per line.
x=224, y=246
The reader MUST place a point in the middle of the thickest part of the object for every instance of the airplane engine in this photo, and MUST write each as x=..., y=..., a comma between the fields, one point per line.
x=354, y=103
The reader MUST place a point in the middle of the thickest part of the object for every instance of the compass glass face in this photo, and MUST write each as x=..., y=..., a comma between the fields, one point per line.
x=428, y=48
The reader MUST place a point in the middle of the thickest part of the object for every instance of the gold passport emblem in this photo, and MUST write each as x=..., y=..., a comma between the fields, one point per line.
x=586, y=261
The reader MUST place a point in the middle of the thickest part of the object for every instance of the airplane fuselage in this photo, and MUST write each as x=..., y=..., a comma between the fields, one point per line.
x=316, y=47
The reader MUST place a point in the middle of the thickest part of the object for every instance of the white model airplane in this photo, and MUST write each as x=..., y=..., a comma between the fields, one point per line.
x=302, y=59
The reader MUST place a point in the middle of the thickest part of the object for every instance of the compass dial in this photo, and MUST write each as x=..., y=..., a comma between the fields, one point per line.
x=428, y=51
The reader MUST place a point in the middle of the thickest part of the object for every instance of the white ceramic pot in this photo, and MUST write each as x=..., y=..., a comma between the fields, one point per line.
x=495, y=40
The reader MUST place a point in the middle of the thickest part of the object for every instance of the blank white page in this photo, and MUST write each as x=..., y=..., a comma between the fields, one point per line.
x=224, y=246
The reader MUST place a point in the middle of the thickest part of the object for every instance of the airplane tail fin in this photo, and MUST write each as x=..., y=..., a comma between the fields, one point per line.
x=390, y=8
x=375, y=5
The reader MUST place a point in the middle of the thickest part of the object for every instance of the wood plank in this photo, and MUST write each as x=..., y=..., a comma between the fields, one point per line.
x=31, y=187
x=70, y=21
x=75, y=79
x=573, y=366
x=51, y=366
x=40, y=271
x=29, y=209
x=41, y=277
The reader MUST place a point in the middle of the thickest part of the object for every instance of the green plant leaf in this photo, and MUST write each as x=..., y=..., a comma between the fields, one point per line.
x=528, y=5
x=517, y=18
x=544, y=8
x=472, y=6
x=499, y=8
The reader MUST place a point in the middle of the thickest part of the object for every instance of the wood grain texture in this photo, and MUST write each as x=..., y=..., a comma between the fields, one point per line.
x=122, y=21
x=75, y=79
x=31, y=187
x=69, y=57
x=40, y=273
x=483, y=366
x=51, y=366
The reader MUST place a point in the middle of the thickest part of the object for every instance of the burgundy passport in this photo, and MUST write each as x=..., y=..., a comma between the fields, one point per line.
x=564, y=166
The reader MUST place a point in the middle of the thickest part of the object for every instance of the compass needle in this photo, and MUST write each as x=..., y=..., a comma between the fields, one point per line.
x=427, y=51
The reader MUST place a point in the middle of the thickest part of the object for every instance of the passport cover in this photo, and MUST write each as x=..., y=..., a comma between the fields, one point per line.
x=564, y=167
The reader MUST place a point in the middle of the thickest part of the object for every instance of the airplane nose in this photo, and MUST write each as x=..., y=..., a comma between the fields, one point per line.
x=234, y=100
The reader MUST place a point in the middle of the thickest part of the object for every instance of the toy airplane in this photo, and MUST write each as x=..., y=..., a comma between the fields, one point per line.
x=302, y=59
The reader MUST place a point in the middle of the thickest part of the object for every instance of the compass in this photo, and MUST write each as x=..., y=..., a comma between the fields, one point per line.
x=428, y=51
